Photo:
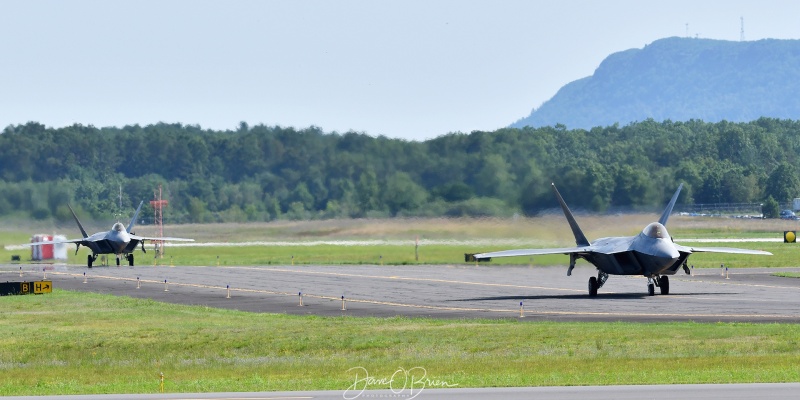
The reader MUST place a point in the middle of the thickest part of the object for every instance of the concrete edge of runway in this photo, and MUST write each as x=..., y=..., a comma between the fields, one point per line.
x=629, y=392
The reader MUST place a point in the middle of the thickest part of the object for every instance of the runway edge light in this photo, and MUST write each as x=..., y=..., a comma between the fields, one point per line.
x=789, y=237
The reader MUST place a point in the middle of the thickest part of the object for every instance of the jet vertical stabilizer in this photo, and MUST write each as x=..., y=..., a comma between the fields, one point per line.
x=668, y=210
x=83, y=231
x=580, y=238
x=135, y=215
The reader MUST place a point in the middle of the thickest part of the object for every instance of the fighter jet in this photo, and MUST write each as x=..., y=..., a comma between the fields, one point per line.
x=652, y=253
x=119, y=240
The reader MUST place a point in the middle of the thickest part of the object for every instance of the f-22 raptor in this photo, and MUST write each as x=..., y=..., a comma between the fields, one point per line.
x=119, y=240
x=652, y=253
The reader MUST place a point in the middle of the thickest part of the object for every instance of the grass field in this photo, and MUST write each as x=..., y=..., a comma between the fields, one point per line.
x=546, y=231
x=785, y=255
x=788, y=274
x=81, y=343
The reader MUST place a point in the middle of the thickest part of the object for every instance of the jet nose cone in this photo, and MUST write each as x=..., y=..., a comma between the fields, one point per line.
x=667, y=250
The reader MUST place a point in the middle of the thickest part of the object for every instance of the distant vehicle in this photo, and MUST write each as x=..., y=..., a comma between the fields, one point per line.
x=651, y=253
x=788, y=214
x=119, y=240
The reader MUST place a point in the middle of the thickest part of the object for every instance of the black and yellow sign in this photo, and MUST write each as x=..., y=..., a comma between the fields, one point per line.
x=12, y=288
x=789, y=237
x=42, y=287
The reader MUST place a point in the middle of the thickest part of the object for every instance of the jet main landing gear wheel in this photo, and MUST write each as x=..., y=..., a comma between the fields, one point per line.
x=593, y=286
x=663, y=284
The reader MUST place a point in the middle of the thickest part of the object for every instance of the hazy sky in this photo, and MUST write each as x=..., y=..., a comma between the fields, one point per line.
x=408, y=69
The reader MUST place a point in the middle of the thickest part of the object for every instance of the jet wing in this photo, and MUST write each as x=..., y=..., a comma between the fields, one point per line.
x=534, y=252
x=730, y=250
x=81, y=241
x=164, y=239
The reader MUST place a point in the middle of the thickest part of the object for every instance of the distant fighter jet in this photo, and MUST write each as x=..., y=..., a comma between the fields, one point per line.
x=119, y=240
x=651, y=253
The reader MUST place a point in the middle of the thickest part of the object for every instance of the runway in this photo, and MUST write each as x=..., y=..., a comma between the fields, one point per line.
x=441, y=291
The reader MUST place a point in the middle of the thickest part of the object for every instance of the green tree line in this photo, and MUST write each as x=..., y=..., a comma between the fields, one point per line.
x=262, y=173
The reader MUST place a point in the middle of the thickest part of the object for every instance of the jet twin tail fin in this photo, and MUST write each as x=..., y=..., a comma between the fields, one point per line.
x=135, y=215
x=580, y=238
x=83, y=231
x=668, y=210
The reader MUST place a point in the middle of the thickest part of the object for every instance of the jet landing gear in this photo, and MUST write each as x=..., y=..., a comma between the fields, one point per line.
x=90, y=259
x=662, y=283
x=128, y=257
x=597, y=283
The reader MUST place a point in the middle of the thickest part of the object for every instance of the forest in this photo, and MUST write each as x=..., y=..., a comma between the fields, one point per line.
x=263, y=173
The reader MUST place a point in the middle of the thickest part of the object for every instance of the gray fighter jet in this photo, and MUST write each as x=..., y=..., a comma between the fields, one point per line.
x=651, y=253
x=119, y=240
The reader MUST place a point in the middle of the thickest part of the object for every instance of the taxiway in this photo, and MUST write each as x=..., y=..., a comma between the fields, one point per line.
x=441, y=291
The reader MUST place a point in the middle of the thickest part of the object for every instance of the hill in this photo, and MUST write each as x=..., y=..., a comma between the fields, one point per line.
x=681, y=79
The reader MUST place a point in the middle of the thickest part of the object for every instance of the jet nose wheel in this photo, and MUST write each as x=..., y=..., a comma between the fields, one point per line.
x=593, y=286
x=651, y=289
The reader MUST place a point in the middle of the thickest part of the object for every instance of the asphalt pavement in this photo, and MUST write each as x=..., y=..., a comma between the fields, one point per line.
x=442, y=291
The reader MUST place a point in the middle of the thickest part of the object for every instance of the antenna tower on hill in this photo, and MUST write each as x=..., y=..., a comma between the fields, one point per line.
x=741, y=33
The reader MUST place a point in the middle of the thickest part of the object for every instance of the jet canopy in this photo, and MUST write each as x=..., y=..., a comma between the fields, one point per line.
x=656, y=231
x=118, y=227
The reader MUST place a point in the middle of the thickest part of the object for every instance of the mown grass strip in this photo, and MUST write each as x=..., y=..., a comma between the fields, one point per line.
x=81, y=343
x=784, y=255
x=787, y=274
x=547, y=231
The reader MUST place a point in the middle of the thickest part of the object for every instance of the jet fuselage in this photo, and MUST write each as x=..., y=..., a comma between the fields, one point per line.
x=115, y=241
x=650, y=253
